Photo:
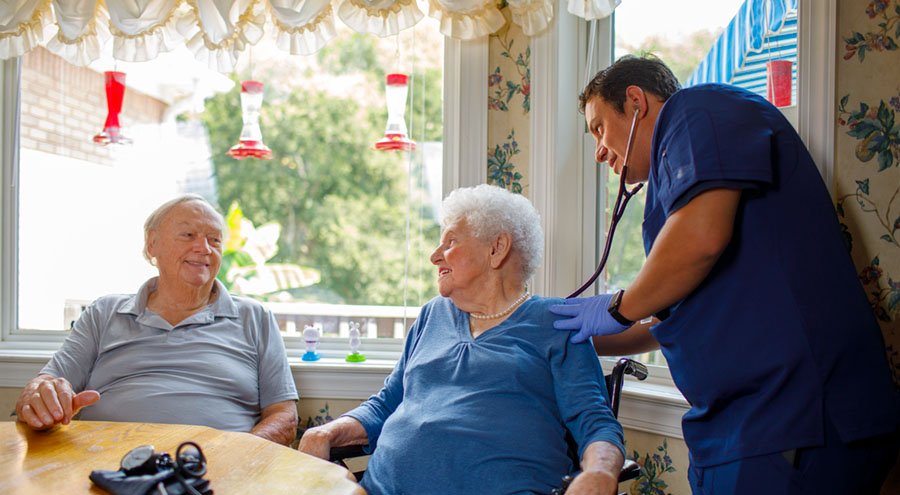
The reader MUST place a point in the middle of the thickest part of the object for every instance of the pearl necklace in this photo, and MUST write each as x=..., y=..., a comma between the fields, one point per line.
x=505, y=312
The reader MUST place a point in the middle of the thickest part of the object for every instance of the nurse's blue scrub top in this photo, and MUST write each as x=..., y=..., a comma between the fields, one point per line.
x=779, y=335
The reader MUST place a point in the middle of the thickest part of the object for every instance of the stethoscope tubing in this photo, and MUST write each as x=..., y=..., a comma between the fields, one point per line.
x=622, y=199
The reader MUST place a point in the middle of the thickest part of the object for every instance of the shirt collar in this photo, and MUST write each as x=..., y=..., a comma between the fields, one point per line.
x=222, y=307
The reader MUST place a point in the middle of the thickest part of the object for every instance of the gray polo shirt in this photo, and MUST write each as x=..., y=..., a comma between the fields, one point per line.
x=219, y=368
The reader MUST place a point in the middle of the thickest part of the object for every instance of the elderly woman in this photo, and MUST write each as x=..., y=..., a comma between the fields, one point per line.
x=482, y=396
x=182, y=350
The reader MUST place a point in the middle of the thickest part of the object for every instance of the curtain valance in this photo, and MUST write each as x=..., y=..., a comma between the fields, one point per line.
x=218, y=31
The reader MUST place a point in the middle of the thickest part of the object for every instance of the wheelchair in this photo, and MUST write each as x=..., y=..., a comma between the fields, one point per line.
x=614, y=383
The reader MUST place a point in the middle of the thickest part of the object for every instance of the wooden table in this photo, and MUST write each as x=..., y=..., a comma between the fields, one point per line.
x=59, y=460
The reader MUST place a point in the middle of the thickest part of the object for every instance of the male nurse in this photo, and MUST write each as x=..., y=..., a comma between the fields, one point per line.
x=768, y=333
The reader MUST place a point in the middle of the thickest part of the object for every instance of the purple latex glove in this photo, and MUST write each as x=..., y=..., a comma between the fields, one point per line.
x=590, y=316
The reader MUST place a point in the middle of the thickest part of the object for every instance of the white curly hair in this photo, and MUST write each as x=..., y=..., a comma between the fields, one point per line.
x=489, y=210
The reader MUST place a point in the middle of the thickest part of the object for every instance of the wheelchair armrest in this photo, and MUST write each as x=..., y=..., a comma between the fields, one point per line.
x=630, y=470
x=616, y=379
x=347, y=452
x=337, y=455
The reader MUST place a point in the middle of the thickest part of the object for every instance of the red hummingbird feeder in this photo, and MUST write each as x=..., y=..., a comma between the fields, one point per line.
x=115, y=93
x=251, y=143
x=395, y=138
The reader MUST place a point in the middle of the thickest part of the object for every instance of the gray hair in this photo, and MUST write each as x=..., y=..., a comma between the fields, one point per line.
x=489, y=210
x=156, y=218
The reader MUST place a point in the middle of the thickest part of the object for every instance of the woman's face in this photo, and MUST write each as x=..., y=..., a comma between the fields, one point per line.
x=461, y=260
x=187, y=244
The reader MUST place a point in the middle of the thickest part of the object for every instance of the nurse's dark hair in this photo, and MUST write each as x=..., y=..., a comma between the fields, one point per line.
x=647, y=72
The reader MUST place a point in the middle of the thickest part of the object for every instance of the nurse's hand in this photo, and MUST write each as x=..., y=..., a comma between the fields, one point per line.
x=589, y=316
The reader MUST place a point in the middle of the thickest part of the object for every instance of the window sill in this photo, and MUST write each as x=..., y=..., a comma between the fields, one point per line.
x=648, y=407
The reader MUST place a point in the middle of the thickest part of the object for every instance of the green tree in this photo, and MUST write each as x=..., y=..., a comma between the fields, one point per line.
x=627, y=252
x=681, y=55
x=342, y=206
x=349, y=54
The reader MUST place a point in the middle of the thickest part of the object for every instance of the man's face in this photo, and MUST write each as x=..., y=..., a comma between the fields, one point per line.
x=187, y=244
x=610, y=130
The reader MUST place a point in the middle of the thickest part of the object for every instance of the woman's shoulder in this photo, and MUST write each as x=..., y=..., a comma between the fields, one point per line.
x=438, y=304
x=537, y=313
x=544, y=301
x=539, y=307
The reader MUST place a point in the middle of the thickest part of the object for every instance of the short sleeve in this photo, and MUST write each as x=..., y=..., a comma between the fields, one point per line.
x=710, y=146
x=276, y=384
x=75, y=359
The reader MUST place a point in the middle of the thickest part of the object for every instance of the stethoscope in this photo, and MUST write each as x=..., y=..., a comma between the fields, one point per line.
x=618, y=210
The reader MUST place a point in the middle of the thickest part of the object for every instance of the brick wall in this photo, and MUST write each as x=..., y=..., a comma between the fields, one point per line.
x=63, y=106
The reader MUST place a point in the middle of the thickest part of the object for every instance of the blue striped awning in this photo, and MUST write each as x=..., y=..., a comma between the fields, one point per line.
x=761, y=31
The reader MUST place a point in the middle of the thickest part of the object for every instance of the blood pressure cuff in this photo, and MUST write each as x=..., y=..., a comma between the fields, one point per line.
x=119, y=483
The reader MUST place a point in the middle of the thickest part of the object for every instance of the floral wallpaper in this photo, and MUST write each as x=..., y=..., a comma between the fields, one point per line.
x=509, y=107
x=664, y=464
x=867, y=155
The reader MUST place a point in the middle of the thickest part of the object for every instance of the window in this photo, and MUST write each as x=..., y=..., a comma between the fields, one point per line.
x=339, y=232
x=682, y=44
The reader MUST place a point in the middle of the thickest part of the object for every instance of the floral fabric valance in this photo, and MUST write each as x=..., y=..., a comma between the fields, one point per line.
x=217, y=31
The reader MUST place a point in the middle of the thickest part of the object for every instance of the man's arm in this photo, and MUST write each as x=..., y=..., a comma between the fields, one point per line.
x=685, y=251
x=47, y=400
x=687, y=248
x=635, y=340
x=278, y=422
x=600, y=467
x=338, y=433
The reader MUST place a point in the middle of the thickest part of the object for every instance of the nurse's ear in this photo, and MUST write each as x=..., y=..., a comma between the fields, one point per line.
x=636, y=99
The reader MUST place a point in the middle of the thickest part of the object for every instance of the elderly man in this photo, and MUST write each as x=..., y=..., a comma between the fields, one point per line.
x=181, y=350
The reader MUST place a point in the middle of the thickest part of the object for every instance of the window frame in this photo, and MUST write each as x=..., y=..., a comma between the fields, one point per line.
x=558, y=74
x=465, y=121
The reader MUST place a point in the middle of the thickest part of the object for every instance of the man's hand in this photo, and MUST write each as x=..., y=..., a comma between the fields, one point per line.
x=593, y=483
x=47, y=401
x=590, y=316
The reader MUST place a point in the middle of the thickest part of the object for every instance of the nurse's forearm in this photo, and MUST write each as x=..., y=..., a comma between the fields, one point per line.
x=685, y=251
x=635, y=340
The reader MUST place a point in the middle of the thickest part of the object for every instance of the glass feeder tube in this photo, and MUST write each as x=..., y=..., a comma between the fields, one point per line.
x=395, y=138
x=251, y=143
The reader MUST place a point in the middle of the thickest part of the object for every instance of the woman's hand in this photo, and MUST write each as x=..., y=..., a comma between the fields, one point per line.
x=316, y=442
x=601, y=464
x=593, y=483
x=338, y=433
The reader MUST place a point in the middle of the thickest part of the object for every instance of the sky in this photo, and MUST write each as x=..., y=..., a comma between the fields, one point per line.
x=638, y=19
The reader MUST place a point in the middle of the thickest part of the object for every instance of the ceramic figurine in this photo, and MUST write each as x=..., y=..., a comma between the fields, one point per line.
x=354, y=356
x=311, y=335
